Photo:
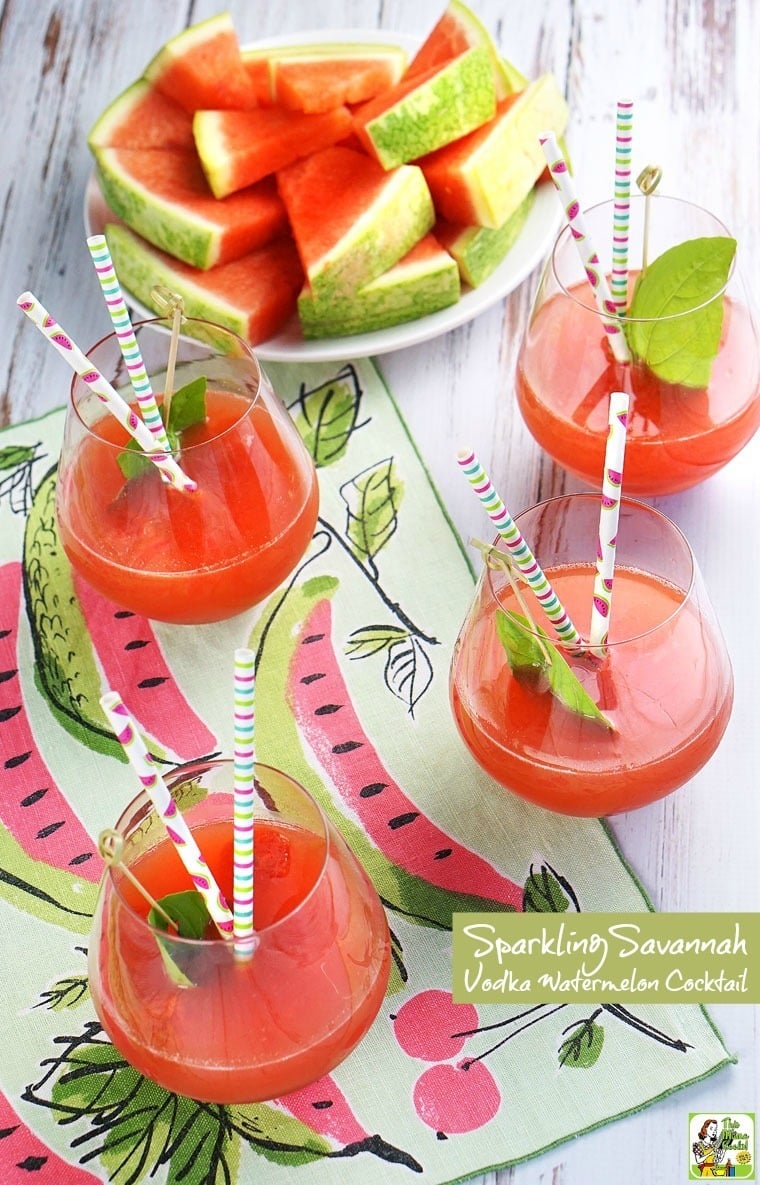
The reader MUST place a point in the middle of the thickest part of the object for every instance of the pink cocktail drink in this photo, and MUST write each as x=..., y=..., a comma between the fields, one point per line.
x=188, y=1013
x=678, y=434
x=664, y=684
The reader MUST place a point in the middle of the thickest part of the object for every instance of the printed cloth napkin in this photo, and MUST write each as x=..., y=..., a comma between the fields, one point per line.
x=383, y=591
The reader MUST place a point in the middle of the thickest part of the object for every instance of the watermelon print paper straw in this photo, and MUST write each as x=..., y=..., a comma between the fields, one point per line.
x=518, y=549
x=130, y=739
x=118, y=407
x=622, y=203
x=245, y=789
x=612, y=482
x=589, y=256
x=125, y=335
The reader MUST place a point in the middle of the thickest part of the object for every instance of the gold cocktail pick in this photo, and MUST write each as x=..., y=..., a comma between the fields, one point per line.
x=648, y=180
x=111, y=848
x=170, y=304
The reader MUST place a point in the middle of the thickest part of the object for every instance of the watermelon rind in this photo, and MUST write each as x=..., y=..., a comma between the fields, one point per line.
x=380, y=235
x=444, y=106
x=462, y=20
x=478, y=250
x=421, y=283
x=493, y=176
x=140, y=267
x=164, y=223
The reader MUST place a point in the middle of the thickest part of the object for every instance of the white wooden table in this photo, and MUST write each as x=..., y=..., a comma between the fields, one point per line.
x=691, y=67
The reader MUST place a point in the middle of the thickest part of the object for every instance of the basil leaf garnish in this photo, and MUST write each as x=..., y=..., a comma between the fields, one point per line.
x=665, y=327
x=186, y=407
x=525, y=650
x=188, y=910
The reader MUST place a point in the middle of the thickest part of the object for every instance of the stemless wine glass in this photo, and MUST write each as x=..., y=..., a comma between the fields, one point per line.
x=165, y=553
x=664, y=684
x=678, y=435
x=189, y=1014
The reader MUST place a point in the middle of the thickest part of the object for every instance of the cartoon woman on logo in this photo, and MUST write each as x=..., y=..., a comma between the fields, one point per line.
x=709, y=1151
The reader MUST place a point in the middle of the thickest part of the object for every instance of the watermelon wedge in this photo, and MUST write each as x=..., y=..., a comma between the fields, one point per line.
x=252, y=296
x=458, y=30
x=483, y=178
x=428, y=110
x=351, y=220
x=164, y=196
x=479, y=250
x=238, y=148
x=424, y=281
x=202, y=67
x=142, y=117
x=318, y=77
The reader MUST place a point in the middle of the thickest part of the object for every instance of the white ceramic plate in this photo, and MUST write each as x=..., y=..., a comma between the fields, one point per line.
x=533, y=244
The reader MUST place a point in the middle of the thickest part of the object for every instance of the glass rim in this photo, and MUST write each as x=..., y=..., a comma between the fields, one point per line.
x=183, y=773
x=160, y=322
x=563, y=239
x=635, y=504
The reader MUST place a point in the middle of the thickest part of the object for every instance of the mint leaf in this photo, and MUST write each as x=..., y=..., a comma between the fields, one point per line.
x=681, y=348
x=188, y=910
x=524, y=650
x=187, y=407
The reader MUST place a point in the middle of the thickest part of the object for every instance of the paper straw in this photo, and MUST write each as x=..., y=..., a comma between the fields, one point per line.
x=244, y=783
x=589, y=257
x=118, y=407
x=125, y=335
x=612, y=482
x=518, y=548
x=622, y=203
x=129, y=737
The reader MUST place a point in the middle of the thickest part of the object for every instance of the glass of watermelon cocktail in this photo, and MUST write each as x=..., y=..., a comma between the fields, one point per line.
x=663, y=684
x=172, y=555
x=693, y=407
x=186, y=1012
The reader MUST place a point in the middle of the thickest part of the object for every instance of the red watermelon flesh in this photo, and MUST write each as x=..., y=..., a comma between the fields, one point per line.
x=244, y=220
x=455, y=32
x=239, y=148
x=202, y=67
x=314, y=84
x=256, y=66
x=253, y=296
x=142, y=117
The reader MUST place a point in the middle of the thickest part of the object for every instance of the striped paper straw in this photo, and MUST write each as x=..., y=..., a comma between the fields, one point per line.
x=589, y=257
x=118, y=407
x=125, y=335
x=612, y=482
x=245, y=789
x=622, y=203
x=130, y=739
x=518, y=549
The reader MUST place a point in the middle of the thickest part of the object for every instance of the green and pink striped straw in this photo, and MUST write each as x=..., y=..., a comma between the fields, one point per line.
x=589, y=256
x=125, y=335
x=108, y=395
x=518, y=549
x=612, y=488
x=621, y=203
x=129, y=737
x=244, y=799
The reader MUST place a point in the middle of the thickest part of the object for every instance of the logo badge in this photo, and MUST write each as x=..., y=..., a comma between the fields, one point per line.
x=722, y=1146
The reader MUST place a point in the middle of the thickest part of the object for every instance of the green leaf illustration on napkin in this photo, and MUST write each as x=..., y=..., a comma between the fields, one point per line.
x=187, y=407
x=188, y=911
x=582, y=1048
x=673, y=323
x=526, y=650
